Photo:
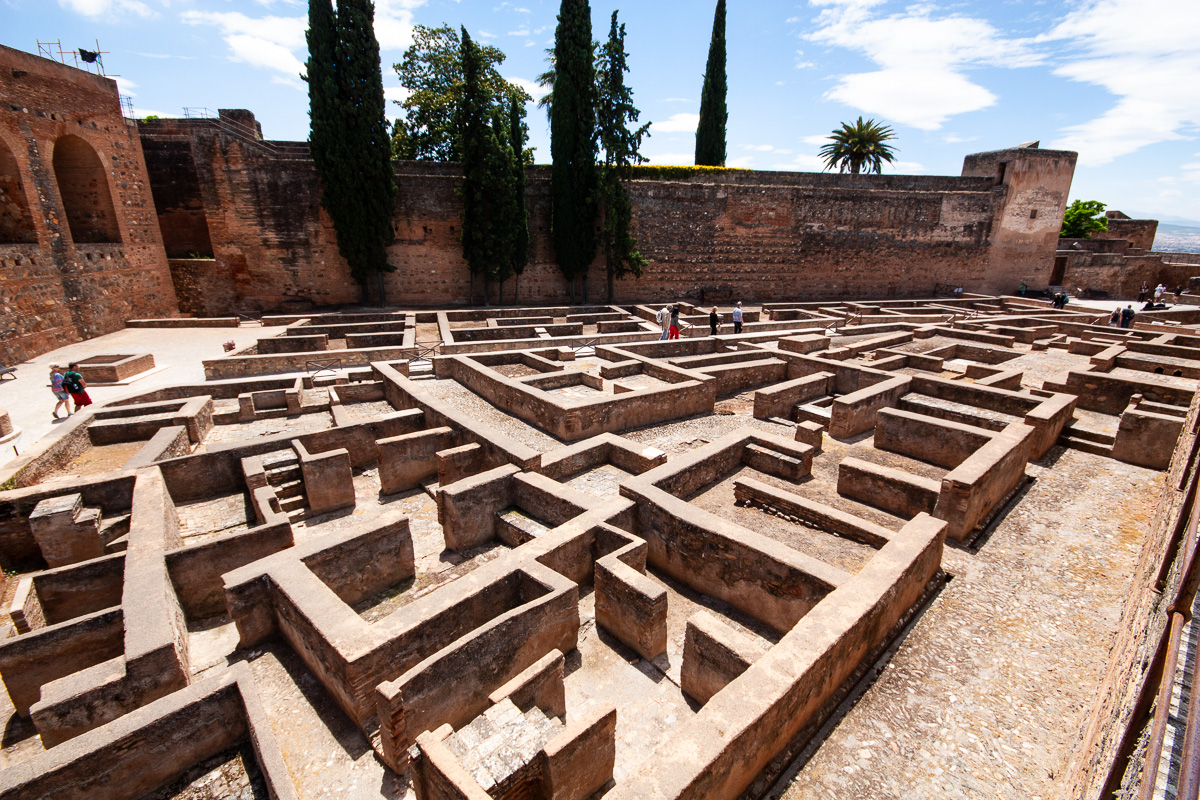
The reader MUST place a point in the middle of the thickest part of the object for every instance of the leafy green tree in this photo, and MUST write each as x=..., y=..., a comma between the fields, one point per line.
x=349, y=135
x=858, y=146
x=614, y=113
x=714, y=114
x=573, y=143
x=1083, y=218
x=432, y=71
x=495, y=230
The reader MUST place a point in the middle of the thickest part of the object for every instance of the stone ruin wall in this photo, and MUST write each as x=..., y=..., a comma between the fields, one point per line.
x=80, y=250
x=753, y=235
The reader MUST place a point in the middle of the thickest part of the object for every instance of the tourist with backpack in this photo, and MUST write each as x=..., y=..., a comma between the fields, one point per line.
x=1127, y=315
x=56, y=386
x=76, y=386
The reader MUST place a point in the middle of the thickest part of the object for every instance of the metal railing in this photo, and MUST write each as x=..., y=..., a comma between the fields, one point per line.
x=315, y=367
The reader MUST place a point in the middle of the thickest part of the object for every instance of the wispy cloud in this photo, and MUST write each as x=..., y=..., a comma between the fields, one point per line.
x=536, y=90
x=96, y=9
x=677, y=123
x=923, y=58
x=267, y=42
x=1143, y=52
x=672, y=159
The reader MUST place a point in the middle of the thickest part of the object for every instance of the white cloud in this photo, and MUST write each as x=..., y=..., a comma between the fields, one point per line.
x=287, y=32
x=96, y=9
x=764, y=148
x=954, y=138
x=126, y=86
x=672, y=159
x=522, y=31
x=802, y=162
x=677, y=100
x=536, y=90
x=269, y=55
x=922, y=60
x=817, y=140
x=741, y=162
x=677, y=123
x=1143, y=52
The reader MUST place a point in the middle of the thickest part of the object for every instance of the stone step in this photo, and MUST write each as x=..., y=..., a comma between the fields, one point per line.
x=288, y=489
x=289, y=504
x=1070, y=431
x=282, y=475
x=114, y=528
x=1095, y=448
x=119, y=545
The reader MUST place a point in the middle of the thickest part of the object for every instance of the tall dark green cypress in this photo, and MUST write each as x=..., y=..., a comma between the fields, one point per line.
x=349, y=139
x=573, y=143
x=518, y=133
x=473, y=120
x=321, y=74
x=710, y=133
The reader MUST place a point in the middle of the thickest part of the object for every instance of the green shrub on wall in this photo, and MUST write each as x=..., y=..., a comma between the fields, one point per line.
x=649, y=172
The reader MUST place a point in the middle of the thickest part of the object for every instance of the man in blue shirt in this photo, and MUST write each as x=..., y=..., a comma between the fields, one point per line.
x=737, y=317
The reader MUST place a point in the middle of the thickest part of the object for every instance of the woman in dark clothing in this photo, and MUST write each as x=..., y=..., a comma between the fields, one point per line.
x=714, y=322
x=74, y=383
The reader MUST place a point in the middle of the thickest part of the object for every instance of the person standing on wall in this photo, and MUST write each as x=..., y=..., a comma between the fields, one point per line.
x=673, y=333
x=714, y=322
x=74, y=383
x=56, y=386
x=737, y=317
x=664, y=320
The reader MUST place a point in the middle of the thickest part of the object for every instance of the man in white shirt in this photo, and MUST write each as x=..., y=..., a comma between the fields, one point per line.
x=664, y=318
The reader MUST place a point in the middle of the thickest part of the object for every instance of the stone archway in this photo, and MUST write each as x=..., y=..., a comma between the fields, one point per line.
x=16, y=222
x=84, y=188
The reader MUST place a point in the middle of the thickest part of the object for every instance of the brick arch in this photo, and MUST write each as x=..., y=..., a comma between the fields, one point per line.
x=16, y=222
x=84, y=189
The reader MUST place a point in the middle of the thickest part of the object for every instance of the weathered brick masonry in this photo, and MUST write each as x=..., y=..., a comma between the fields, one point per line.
x=748, y=235
x=80, y=250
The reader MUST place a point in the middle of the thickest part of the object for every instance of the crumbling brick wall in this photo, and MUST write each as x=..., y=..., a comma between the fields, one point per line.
x=741, y=234
x=80, y=264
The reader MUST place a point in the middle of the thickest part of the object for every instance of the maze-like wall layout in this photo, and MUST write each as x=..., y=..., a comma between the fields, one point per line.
x=539, y=553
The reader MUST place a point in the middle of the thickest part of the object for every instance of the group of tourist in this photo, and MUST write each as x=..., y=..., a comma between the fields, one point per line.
x=1122, y=317
x=1144, y=294
x=67, y=387
x=668, y=319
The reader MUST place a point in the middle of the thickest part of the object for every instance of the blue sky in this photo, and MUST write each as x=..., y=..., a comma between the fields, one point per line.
x=1116, y=80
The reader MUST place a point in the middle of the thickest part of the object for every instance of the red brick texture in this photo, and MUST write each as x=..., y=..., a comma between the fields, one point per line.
x=80, y=251
x=753, y=236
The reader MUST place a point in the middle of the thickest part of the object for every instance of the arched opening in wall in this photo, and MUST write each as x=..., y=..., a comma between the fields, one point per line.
x=86, y=197
x=16, y=223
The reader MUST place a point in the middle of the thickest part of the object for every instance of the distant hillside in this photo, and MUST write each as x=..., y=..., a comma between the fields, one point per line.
x=1177, y=239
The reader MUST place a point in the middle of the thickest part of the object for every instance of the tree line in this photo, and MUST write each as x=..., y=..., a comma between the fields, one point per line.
x=460, y=109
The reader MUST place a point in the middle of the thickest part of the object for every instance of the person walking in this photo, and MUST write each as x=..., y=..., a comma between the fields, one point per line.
x=74, y=383
x=673, y=331
x=714, y=322
x=664, y=320
x=1114, y=321
x=1158, y=292
x=737, y=317
x=1127, y=315
x=56, y=386
x=1022, y=289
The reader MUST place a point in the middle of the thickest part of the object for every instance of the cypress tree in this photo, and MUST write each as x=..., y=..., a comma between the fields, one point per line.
x=349, y=140
x=615, y=111
x=321, y=75
x=473, y=123
x=573, y=143
x=710, y=133
x=518, y=133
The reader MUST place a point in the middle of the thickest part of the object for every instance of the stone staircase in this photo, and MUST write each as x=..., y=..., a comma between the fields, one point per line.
x=1094, y=442
x=114, y=533
x=282, y=469
x=499, y=748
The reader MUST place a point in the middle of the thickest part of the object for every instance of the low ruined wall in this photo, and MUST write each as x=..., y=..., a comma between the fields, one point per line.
x=1143, y=623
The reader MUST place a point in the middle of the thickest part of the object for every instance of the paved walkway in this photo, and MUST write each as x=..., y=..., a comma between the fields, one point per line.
x=178, y=353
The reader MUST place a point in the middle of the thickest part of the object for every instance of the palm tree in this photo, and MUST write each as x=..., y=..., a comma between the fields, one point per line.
x=853, y=147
